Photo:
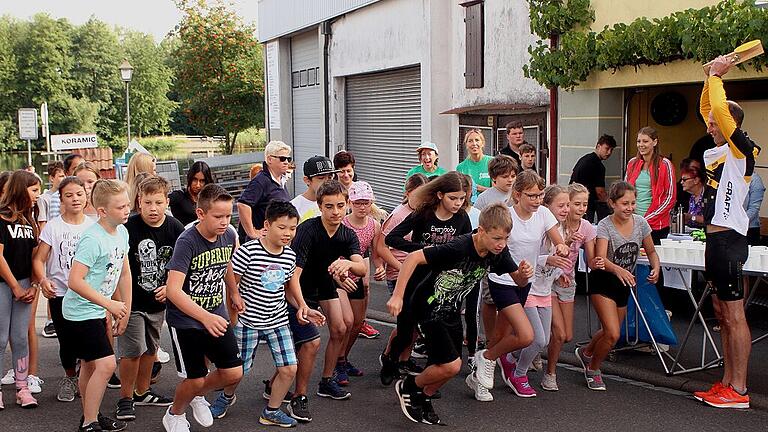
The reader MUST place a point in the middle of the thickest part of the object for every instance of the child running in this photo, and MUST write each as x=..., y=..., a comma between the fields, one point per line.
x=532, y=222
x=435, y=280
x=578, y=233
x=55, y=253
x=99, y=268
x=196, y=313
x=262, y=269
x=18, y=239
x=317, y=170
x=152, y=236
x=619, y=239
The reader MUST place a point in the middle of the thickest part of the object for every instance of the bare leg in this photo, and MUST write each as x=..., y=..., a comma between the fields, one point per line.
x=358, y=314
x=336, y=329
x=435, y=376
x=348, y=316
x=306, y=354
x=144, y=375
x=92, y=390
x=739, y=342
x=513, y=332
x=610, y=320
x=562, y=332
x=724, y=339
x=129, y=369
x=281, y=384
x=189, y=388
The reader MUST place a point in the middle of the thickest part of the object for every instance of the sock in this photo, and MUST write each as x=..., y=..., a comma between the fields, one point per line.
x=741, y=392
x=325, y=379
x=269, y=409
x=228, y=397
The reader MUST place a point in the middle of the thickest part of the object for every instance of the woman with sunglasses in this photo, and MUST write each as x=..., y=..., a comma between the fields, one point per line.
x=268, y=185
x=693, y=180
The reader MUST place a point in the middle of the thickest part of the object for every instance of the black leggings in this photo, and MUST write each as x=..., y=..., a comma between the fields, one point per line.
x=66, y=354
x=470, y=318
x=406, y=325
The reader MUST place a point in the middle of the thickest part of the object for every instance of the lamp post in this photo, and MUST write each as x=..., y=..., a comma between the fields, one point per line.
x=126, y=73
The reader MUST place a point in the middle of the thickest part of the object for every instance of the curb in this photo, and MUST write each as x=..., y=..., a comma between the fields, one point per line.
x=676, y=382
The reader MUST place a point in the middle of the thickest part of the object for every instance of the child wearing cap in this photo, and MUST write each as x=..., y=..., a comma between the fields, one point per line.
x=427, y=152
x=353, y=293
x=317, y=170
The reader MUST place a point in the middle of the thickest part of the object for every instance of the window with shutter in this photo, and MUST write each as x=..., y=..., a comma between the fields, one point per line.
x=473, y=20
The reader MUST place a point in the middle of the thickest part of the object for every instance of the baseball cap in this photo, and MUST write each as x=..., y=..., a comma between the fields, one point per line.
x=426, y=145
x=359, y=191
x=318, y=165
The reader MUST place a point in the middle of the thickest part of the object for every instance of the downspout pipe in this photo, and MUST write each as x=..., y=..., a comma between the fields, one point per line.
x=553, y=116
x=326, y=30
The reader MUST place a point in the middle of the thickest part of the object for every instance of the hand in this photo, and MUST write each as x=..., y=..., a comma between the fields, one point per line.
x=315, y=317
x=119, y=326
x=47, y=288
x=215, y=324
x=395, y=305
x=28, y=294
x=345, y=283
x=558, y=261
x=564, y=281
x=562, y=250
x=340, y=268
x=598, y=263
x=720, y=66
x=236, y=303
x=117, y=309
x=525, y=269
x=627, y=278
x=380, y=273
x=577, y=237
x=653, y=276
x=160, y=294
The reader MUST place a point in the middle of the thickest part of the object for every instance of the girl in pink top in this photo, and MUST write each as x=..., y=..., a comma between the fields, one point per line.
x=578, y=233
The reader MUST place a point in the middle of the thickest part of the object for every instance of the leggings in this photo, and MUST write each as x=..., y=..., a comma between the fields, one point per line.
x=66, y=355
x=541, y=321
x=405, y=328
x=470, y=318
x=14, y=321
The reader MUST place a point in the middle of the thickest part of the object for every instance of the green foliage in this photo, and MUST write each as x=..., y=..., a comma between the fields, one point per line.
x=700, y=35
x=558, y=16
x=159, y=144
x=219, y=73
x=252, y=138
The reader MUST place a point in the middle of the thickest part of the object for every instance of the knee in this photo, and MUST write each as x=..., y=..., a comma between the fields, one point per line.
x=197, y=384
x=611, y=335
x=526, y=337
x=451, y=369
x=350, y=322
x=287, y=372
x=338, y=330
x=312, y=347
x=558, y=336
x=232, y=375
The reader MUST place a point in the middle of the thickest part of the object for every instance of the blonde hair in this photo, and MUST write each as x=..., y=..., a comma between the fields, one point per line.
x=494, y=216
x=87, y=166
x=105, y=189
x=133, y=189
x=575, y=189
x=139, y=163
x=476, y=131
x=274, y=147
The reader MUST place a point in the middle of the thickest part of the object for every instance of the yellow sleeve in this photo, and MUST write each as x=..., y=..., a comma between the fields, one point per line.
x=719, y=107
x=704, y=101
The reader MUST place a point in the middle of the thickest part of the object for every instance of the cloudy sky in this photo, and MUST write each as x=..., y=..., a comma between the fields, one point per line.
x=155, y=17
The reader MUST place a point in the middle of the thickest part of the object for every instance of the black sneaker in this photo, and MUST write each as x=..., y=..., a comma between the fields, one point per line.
x=92, y=427
x=409, y=367
x=389, y=370
x=419, y=350
x=268, y=392
x=151, y=398
x=108, y=424
x=428, y=414
x=49, y=331
x=156, y=368
x=298, y=408
x=409, y=397
x=114, y=382
x=125, y=410
x=329, y=388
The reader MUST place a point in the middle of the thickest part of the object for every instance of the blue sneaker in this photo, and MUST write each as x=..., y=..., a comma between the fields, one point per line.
x=220, y=406
x=329, y=388
x=276, y=418
x=352, y=371
x=340, y=374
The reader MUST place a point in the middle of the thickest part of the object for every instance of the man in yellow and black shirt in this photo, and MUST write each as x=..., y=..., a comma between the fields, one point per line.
x=729, y=168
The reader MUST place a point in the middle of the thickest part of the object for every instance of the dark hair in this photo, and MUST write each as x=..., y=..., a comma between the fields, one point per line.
x=606, y=139
x=15, y=204
x=68, y=181
x=330, y=188
x=342, y=159
x=496, y=216
x=199, y=167
x=467, y=180
x=618, y=189
x=514, y=124
x=412, y=183
x=736, y=112
x=210, y=194
x=55, y=166
x=277, y=209
x=502, y=164
x=426, y=196
x=69, y=161
x=693, y=167
x=4, y=177
x=527, y=148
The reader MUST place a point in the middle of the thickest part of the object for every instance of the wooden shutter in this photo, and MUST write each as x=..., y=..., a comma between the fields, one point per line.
x=473, y=73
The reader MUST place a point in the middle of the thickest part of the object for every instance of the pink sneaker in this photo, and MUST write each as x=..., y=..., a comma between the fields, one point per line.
x=25, y=399
x=507, y=369
x=521, y=387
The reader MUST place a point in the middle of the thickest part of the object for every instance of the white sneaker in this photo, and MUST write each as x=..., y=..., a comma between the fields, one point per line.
x=34, y=384
x=9, y=378
x=201, y=411
x=481, y=393
x=484, y=369
x=549, y=382
x=163, y=356
x=175, y=423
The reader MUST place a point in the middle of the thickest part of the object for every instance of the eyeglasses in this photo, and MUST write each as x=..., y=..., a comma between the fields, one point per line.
x=534, y=197
x=361, y=203
x=282, y=158
x=685, y=179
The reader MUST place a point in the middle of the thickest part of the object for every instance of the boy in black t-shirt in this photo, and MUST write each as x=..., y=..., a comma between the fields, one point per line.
x=434, y=281
x=151, y=238
x=325, y=251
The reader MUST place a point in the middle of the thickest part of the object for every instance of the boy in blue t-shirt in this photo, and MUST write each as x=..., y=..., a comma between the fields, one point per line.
x=99, y=268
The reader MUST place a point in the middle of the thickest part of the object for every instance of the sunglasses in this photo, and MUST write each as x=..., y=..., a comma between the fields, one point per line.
x=282, y=158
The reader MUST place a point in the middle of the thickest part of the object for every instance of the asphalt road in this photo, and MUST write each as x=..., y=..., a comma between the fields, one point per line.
x=375, y=408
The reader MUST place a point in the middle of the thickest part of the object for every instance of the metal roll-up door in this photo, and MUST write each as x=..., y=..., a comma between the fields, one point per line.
x=306, y=92
x=383, y=121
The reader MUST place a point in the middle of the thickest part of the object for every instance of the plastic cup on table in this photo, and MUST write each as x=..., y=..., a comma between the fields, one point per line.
x=764, y=261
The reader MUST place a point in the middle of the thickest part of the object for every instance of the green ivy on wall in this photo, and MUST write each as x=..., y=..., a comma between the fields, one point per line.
x=695, y=34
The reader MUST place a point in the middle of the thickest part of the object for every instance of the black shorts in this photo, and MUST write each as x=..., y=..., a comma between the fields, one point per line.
x=359, y=293
x=322, y=293
x=443, y=339
x=91, y=341
x=191, y=346
x=507, y=295
x=608, y=285
x=302, y=333
x=724, y=258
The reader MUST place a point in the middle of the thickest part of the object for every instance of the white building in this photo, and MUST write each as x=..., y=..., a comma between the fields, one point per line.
x=377, y=77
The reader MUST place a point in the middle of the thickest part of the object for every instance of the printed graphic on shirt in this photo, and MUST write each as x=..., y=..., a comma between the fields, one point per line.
x=115, y=265
x=21, y=231
x=438, y=235
x=206, y=277
x=152, y=272
x=625, y=255
x=67, y=249
x=273, y=277
x=452, y=286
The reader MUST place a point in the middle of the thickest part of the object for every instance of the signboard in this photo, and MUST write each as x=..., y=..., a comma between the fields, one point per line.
x=273, y=85
x=73, y=141
x=28, y=123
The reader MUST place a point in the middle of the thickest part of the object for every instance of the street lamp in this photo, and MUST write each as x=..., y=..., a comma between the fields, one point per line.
x=126, y=73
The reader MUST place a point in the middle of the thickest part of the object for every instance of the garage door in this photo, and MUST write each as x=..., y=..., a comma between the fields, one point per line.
x=383, y=118
x=307, y=103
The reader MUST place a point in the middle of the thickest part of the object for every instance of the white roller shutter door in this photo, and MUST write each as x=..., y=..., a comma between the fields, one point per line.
x=383, y=122
x=307, y=99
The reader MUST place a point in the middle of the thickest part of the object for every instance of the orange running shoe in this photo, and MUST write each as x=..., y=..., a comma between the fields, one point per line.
x=700, y=395
x=727, y=398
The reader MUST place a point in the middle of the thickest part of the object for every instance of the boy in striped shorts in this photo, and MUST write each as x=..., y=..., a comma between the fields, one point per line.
x=262, y=269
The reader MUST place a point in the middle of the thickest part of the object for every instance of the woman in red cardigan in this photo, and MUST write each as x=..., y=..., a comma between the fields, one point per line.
x=654, y=179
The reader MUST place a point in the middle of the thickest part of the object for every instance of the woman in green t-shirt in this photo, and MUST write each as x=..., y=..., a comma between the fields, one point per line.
x=427, y=152
x=476, y=163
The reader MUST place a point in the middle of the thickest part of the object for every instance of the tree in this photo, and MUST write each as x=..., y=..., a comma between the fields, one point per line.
x=8, y=71
x=218, y=70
